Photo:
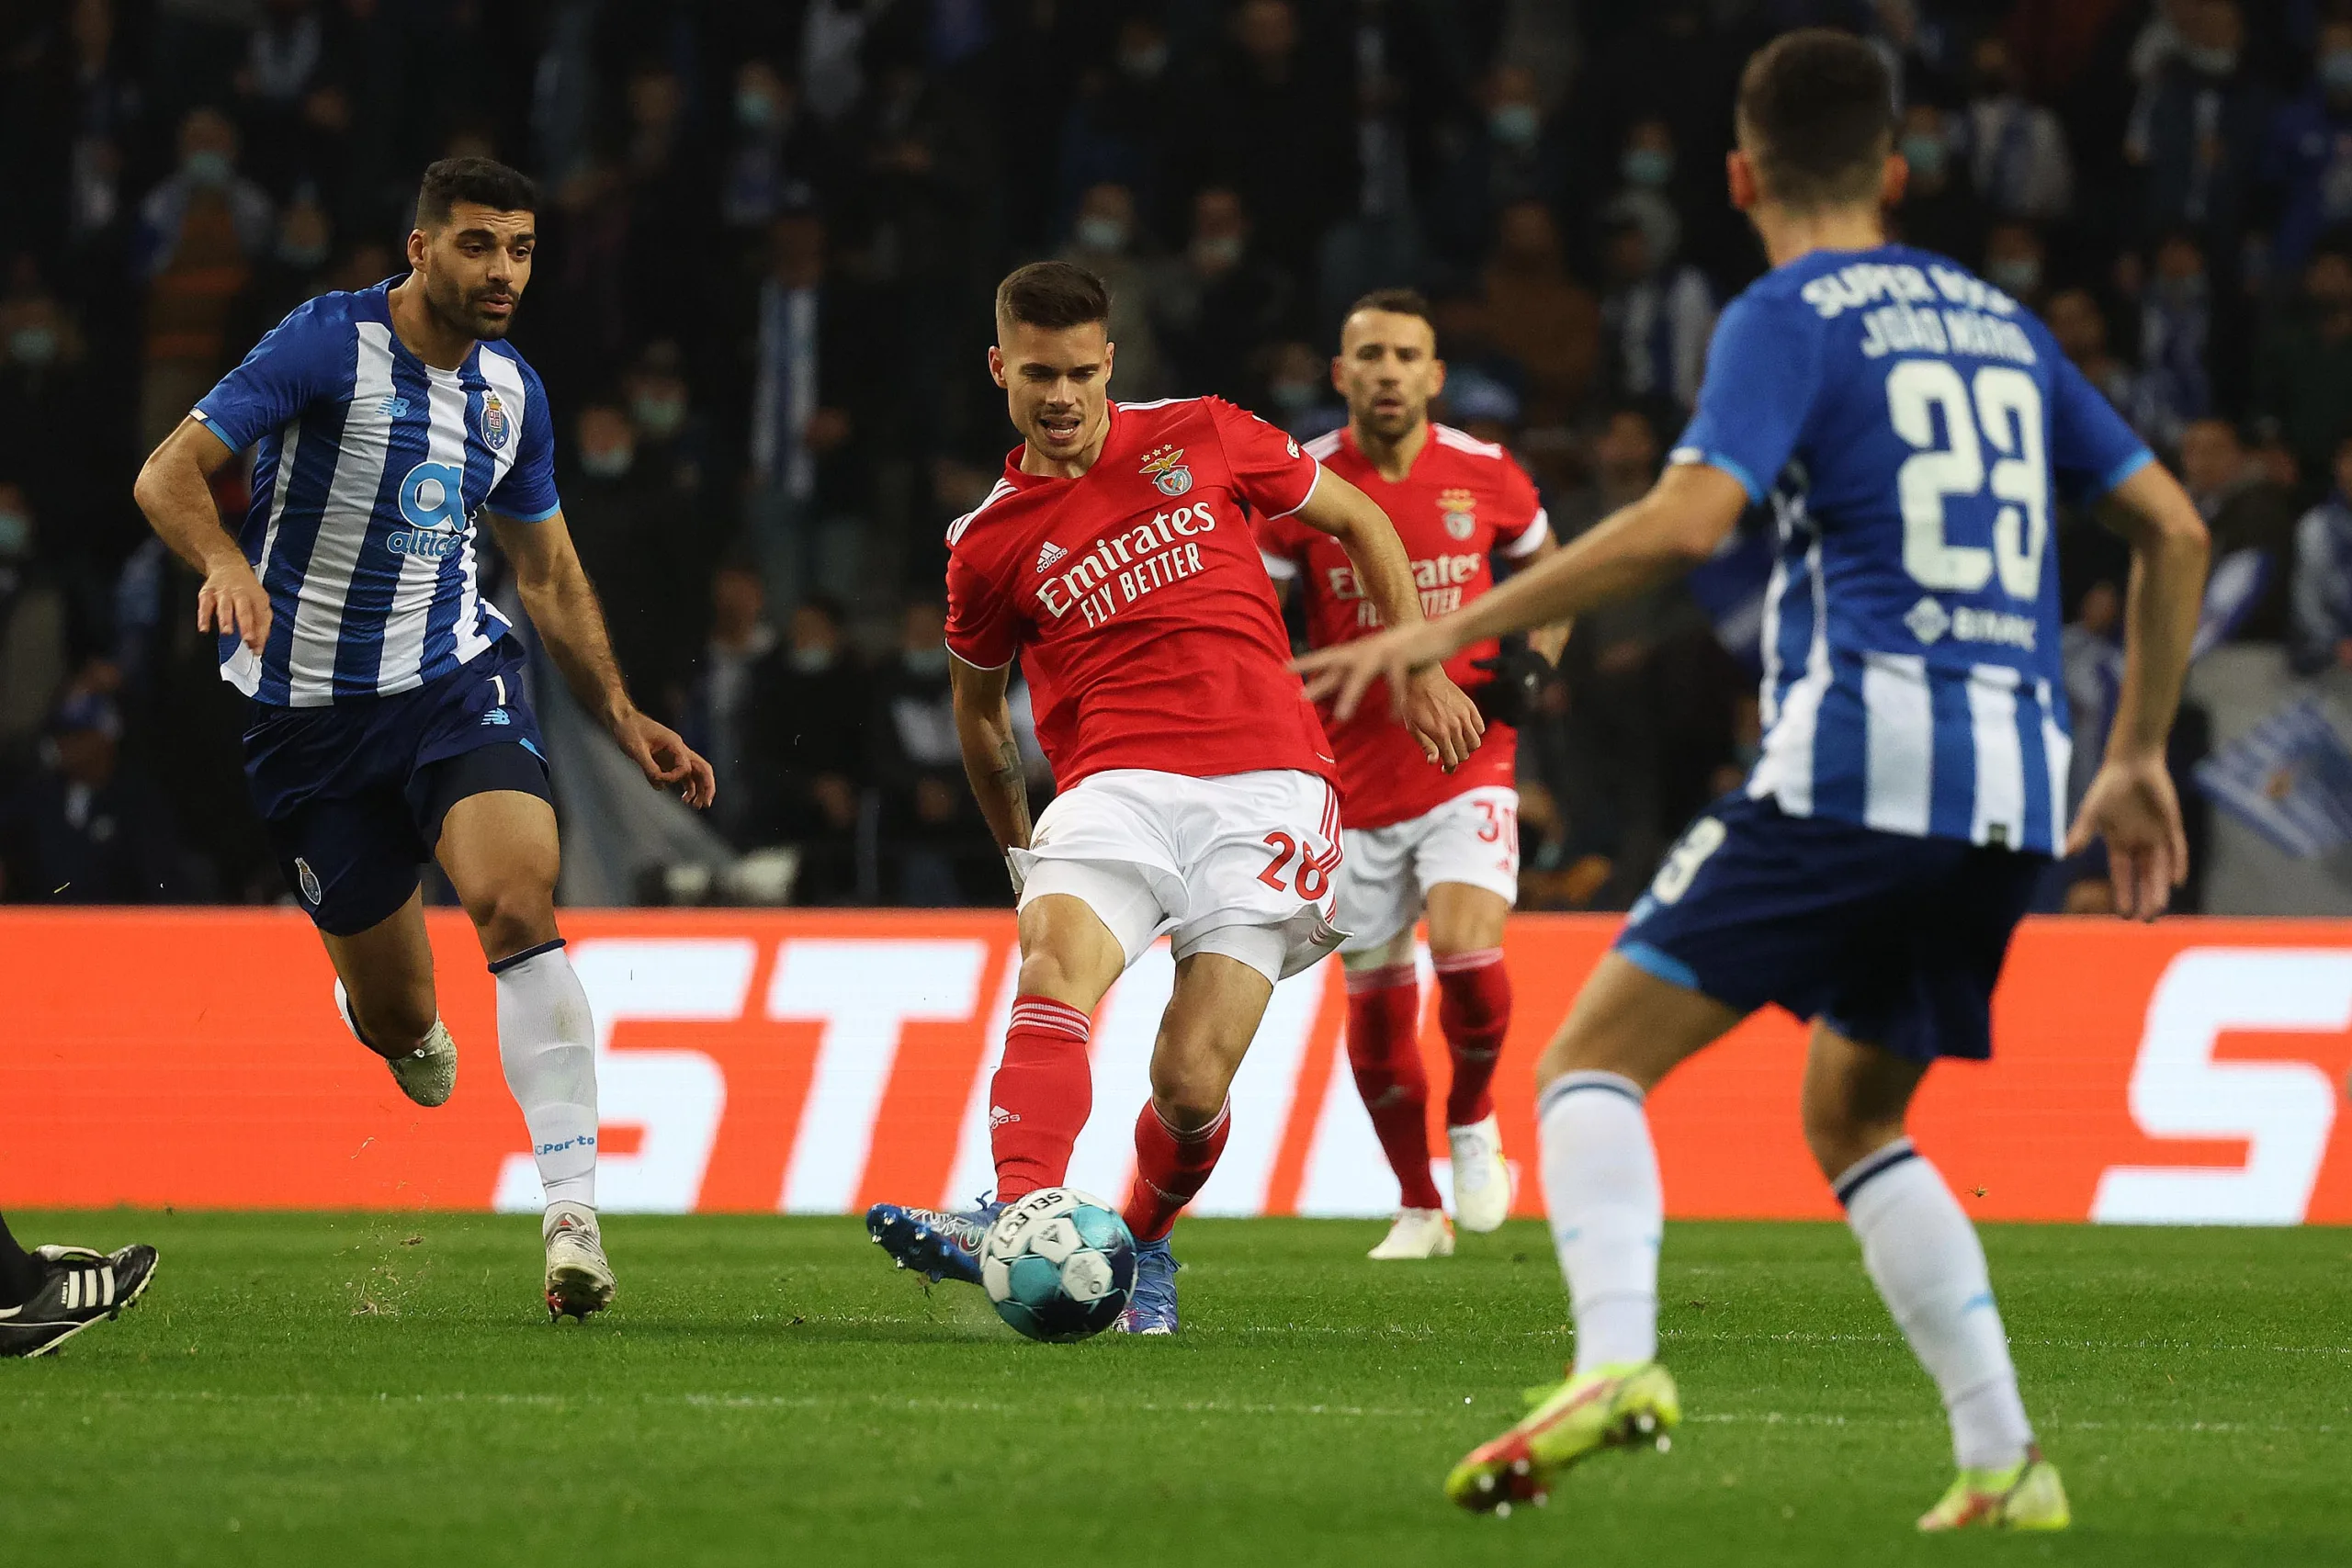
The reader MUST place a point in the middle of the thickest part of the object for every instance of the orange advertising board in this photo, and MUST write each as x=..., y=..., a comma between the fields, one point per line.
x=813, y=1062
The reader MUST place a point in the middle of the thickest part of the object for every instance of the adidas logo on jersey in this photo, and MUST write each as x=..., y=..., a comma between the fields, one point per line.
x=1047, y=554
x=1000, y=1117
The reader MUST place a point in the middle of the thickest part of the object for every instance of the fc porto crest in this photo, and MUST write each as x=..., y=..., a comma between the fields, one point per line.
x=495, y=426
x=1460, y=508
x=1165, y=467
x=312, y=891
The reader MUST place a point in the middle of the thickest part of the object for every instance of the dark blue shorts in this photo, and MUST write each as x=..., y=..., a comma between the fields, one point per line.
x=352, y=796
x=1891, y=941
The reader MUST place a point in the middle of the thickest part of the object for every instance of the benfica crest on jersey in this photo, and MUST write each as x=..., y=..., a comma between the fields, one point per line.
x=1461, y=510
x=1164, y=467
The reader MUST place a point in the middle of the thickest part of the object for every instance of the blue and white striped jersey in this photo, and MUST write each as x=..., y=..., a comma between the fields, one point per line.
x=369, y=467
x=1911, y=425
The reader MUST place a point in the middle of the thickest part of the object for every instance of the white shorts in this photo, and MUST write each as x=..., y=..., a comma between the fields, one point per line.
x=1473, y=838
x=1243, y=865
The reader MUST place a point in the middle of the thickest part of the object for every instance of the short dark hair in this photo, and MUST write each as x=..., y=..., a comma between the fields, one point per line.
x=1053, y=295
x=1817, y=113
x=1394, y=302
x=486, y=182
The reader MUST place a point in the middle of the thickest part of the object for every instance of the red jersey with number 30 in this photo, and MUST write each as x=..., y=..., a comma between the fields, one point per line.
x=1462, y=500
x=1137, y=599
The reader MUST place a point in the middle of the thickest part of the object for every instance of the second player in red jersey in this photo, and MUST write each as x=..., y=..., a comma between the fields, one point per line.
x=1417, y=839
x=1116, y=559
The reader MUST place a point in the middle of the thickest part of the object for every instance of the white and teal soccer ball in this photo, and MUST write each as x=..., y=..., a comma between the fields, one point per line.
x=1059, y=1265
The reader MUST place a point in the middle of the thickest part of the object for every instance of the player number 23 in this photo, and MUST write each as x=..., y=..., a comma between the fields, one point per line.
x=2005, y=408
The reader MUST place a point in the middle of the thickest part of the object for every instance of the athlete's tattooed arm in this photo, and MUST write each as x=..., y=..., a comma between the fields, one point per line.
x=991, y=749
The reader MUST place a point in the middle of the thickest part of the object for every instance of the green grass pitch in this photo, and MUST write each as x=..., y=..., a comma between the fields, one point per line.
x=369, y=1388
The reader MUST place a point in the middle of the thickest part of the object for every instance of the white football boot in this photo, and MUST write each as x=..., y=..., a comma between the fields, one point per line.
x=1418, y=1232
x=427, y=1074
x=1481, y=1180
x=580, y=1281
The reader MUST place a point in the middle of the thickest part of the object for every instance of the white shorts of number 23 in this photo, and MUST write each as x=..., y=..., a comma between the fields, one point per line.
x=1473, y=838
x=1243, y=864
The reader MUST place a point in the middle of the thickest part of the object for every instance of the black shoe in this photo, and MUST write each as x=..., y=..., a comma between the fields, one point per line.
x=79, y=1287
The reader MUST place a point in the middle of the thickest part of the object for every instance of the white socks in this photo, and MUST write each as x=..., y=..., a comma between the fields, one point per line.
x=547, y=1045
x=1608, y=1211
x=1923, y=1255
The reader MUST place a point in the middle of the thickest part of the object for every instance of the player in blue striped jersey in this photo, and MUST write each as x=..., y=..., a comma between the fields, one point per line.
x=390, y=720
x=1910, y=426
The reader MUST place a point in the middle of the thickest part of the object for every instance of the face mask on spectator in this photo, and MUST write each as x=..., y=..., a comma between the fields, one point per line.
x=2335, y=71
x=2017, y=274
x=1145, y=64
x=1292, y=396
x=659, y=417
x=36, y=346
x=15, y=535
x=1647, y=166
x=1217, y=251
x=813, y=660
x=207, y=168
x=1515, y=125
x=607, y=463
x=924, y=661
x=754, y=110
x=2212, y=61
x=1924, y=153
x=1101, y=234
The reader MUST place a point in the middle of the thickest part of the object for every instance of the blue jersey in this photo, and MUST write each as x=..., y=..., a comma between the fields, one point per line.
x=369, y=466
x=1911, y=425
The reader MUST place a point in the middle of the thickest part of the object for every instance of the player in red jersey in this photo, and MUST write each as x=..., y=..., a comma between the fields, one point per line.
x=1416, y=838
x=1197, y=794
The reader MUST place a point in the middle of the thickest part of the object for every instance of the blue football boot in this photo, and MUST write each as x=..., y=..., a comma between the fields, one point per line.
x=1151, y=1309
x=939, y=1243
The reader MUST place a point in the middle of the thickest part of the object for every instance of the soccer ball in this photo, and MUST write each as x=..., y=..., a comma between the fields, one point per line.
x=1059, y=1265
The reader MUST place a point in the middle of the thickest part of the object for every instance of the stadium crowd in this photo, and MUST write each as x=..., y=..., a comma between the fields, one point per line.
x=768, y=238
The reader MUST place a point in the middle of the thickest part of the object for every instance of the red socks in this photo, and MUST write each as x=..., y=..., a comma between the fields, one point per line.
x=1473, y=1009
x=1171, y=1167
x=1384, y=1049
x=1040, y=1097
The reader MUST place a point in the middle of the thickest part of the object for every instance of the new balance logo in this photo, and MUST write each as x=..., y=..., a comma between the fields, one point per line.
x=393, y=407
x=1000, y=1117
x=1049, y=554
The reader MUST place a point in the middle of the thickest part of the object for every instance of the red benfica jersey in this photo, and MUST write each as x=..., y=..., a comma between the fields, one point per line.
x=1463, y=499
x=1137, y=599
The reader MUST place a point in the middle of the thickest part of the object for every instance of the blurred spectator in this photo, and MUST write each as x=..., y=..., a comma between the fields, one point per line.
x=2303, y=375
x=2015, y=262
x=808, y=749
x=806, y=487
x=2244, y=510
x=776, y=157
x=1103, y=239
x=1939, y=210
x=33, y=651
x=673, y=436
x=1119, y=131
x=1221, y=299
x=2321, y=632
x=81, y=831
x=2309, y=154
x=293, y=112
x=1298, y=391
x=1507, y=156
x=1647, y=167
x=943, y=850
x=1654, y=320
x=1538, y=314
x=200, y=232
x=2176, y=323
x=54, y=438
x=719, y=716
x=105, y=121
x=2079, y=325
x=2197, y=126
x=2017, y=157
x=633, y=526
x=1276, y=120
